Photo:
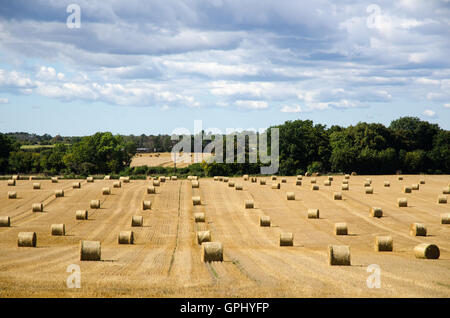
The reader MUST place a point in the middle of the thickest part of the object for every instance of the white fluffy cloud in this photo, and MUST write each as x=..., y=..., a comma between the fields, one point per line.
x=429, y=113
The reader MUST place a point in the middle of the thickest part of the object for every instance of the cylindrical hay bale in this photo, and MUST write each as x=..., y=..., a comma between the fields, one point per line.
x=376, y=212
x=422, y=181
x=5, y=221
x=276, y=185
x=195, y=184
x=307, y=174
x=117, y=184
x=125, y=179
x=367, y=184
x=290, y=195
x=196, y=200
x=406, y=189
x=231, y=184
x=90, y=179
x=339, y=255
x=327, y=183
x=58, y=229
x=31, y=178
x=273, y=178
x=245, y=177
x=402, y=202
x=446, y=190
x=314, y=187
x=384, y=244
x=313, y=213
x=354, y=173
x=347, y=176
x=344, y=181
x=340, y=229
x=12, y=195
x=90, y=251
x=95, y=204
x=203, y=236
x=298, y=182
x=162, y=179
x=76, y=185
x=299, y=177
x=37, y=207
x=345, y=187
x=36, y=186
x=264, y=220
x=15, y=177
x=368, y=190
x=286, y=239
x=262, y=181
x=225, y=180
x=156, y=183
x=254, y=179
x=216, y=178
x=146, y=205
x=54, y=179
x=11, y=183
x=387, y=184
x=212, y=252
x=249, y=204
x=337, y=196
x=107, y=178
x=415, y=186
x=194, y=177
x=330, y=178
x=199, y=217
x=283, y=180
x=59, y=193
x=442, y=199
x=81, y=215
x=106, y=191
x=369, y=180
x=238, y=186
x=221, y=179
x=445, y=218
x=428, y=251
x=26, y=239
x=126, y=237
x=417, y=229
x=400, y=178
x=137, y=220
x=151, y=190
x=313, y=180
x=174, y=178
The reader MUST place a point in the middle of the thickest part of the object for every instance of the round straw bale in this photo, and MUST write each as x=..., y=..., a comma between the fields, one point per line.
x=174, y=178
x=162, y=179
x=283, y=180
x=12, y=195
x=316, y=174
x=290, y=195
x=117, y=184
x=298, y=182
x=106, y=191
x=36, y=186
x=254, y=179
x=107, y=178
x=345, y=187
x=354, y=173
x=274, y=178
x=203, y=236
x=415, y=186
x=446, y=190
x=442, y=199
x=314, y=187
x=238, y=186
x=249, y=204
x=37, y=207
x=307, y=174
x=337, y=196
x=216, y=178
x=151, y=190
x=417, y=229
x=76, y=185
x=54, y=179
x=195, y=184
x=81, y=215
x=313, y=213
x=245, y=177
x=422, y=181
x=156, y=183
x=339, y=255
x=313, y=180
x=264, y=220
x=402, y=202
x=220, y=178
x=276, y=185
x=427, y=251
x=369, y=180
x=212, y=252
x=231, y=184
x=376, y=212
x=137, y=220
x=196, y=200
x=340, y=229
x=299, y=177
x=126, y=237
x=262, y=181
x=31, y=178
x=368, y=190
x=26, y=239
x=387, y=184
x=15, y=177
x=5, y=221
x=58, y=229
x=194, y=177
x=400, y=178
x=90, y=179
x=225, y=179
x=125, y=179
x=347, y=176
x=199, y=217
x=384, y=243
x=286, y=239
x=327, y=183
x=344, y=181
x=445, y=218
x=95, y=204
x=11, y=182
x=330, y=178
x=146, y=205
x=90, y=250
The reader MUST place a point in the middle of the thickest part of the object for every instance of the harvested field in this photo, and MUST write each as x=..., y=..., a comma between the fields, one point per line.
x=164, y=160
x=166, y=258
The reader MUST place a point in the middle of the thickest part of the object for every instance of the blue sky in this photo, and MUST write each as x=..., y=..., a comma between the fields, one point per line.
x=149, y=67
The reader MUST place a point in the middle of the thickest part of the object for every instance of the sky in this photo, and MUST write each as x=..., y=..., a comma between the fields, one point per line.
x=149, y=67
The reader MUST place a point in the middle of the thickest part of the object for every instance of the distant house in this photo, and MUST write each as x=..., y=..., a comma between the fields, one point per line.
x=142, y=150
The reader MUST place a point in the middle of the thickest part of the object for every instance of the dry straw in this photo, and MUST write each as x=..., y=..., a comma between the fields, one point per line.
x=81, y=215
x=231, y=184
x=314, y=187
x=367, y=184
x=422, y=181
x=238, y=186
x=59, y=193
x=368, y=190
x=249, y=204
x=36, y=186
x=347, y=176
x=264, y=220
x=387, y=184
x=220, y=179
x=276, y=185
x=203, y=236
x=286, y=239
x=117, y=184
x=151, y=190
x=26, y=239
x=12, y=195
x=11, y=183
x=95, y=204
x=216, y=178
x=106, y=191
x=417, y=229
x=146, y=205
x=196, y=200
x=162, y=179
x=90, y=251
x=156, y=183
x=427, y=251
x=15, y=177
x=126, y=237
x=299, y=177
x=107, y=178
x=76, y=185
x=344, y=181
x=327, y=183
x=354, y=173
x=174, y=178
x=340, y=229
x=339, y=255
x=37, y=207
x=298, y=182
x=345, y=187
x=445, y=218
x=290, y=195
x=262, y=181
x=5, y=221
x=307, y=174
x=58, y=229
x=225, y=179
x=212, y=252
x=402, y=202
x=90, y=179
x=442, y=199
x=54, y=179
x=137, y=220
x=313, y=213
x=330, y=178
x=446, y=190
x=245, y=177
x=274, y=178
x=400, y=178
x=195, y=184
x=337, y=196
x=384, y=243
x=254, y=179
x=313, y=180
x=199, y=217
x=283, y=180
x=415, y=186
x=376, y=212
